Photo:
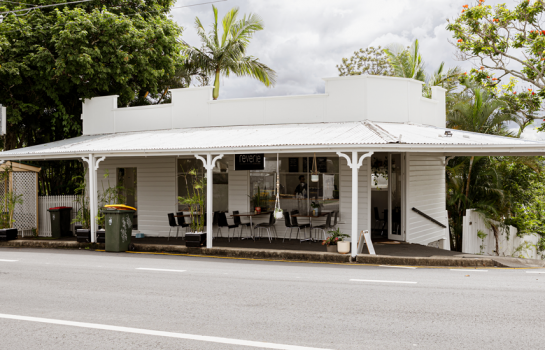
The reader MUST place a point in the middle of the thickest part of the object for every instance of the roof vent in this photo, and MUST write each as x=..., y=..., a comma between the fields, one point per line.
x=466, y=136
x=448, y=133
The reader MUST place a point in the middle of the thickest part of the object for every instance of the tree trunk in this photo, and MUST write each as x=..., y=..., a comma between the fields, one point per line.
x=469, y=176
x=216, y=85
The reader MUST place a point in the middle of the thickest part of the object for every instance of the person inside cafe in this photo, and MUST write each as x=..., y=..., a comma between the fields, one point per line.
x=301, y=189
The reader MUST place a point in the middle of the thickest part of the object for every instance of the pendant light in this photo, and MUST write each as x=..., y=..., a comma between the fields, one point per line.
x=315, y=177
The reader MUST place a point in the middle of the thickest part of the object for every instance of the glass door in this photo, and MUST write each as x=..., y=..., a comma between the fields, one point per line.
x=396, y=228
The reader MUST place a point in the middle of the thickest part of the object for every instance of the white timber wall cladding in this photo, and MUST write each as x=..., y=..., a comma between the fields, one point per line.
x=345, y=181
x=425, y=191
x=239, y=182
x=156, y=189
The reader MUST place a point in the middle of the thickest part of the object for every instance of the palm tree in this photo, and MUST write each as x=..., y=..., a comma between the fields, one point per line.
x=406, y=62
x=225, y=53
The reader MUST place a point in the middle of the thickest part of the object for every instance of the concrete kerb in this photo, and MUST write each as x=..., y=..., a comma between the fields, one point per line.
x=269, y=254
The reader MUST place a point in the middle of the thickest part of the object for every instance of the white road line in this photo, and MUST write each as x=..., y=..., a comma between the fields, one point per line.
x=400, y=267
x=469, y=270
x=167, y=270
x=8, y=260
x=535, y=271
x=356, y=280
x=204, y=338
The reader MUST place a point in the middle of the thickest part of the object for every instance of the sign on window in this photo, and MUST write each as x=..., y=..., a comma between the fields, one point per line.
x=250, y=161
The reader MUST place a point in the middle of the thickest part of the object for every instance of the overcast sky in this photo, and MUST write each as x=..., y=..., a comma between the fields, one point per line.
x=304, y=40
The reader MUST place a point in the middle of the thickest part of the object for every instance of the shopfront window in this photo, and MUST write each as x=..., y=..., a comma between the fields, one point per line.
x=297, y=191
x=186, y=180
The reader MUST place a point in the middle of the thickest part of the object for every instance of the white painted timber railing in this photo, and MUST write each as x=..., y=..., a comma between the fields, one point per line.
x=509, y=244
x=46, y=202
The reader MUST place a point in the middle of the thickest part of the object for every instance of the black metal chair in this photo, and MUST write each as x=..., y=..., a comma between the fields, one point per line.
x=291, y=226
x=268, y=226
x=295, y=223
x=222, y=222
x=324, y=227
x=181, y=221
x=172, y=223
x=237, y=221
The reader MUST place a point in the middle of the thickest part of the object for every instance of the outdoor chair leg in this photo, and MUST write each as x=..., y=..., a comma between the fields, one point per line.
x=168, y=239
x=177, y=230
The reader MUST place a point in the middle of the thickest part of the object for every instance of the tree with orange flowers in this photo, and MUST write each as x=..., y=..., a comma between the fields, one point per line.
x=508, y=41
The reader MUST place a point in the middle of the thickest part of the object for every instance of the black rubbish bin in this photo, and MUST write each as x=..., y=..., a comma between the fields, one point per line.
x=60, y=221
x=118, y=229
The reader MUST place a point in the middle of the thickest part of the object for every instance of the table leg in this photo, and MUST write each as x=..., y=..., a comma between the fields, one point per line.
x=251, y=230
x=309, y=231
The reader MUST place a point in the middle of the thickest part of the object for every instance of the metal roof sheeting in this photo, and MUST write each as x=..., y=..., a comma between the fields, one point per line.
x=265, y=136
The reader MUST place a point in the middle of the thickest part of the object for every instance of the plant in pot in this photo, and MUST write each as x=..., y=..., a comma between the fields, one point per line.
x=195, y=204
x=109, y=195
x=8, y=201
x=335, y=237
x=83, y=214
x=316, y=208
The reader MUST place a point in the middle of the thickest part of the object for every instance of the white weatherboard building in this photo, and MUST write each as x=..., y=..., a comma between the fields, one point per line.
x=359, y=128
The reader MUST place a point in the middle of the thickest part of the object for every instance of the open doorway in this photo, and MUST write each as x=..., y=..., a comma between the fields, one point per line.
x=387, y=196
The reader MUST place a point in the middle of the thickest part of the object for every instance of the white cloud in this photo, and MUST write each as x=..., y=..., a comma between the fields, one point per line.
x=304, y=40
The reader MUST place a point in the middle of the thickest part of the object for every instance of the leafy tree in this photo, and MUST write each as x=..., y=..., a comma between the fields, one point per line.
x=372, y=61
x=496, y=37
x=52, y=57
x=225, y=53
x=524, y=104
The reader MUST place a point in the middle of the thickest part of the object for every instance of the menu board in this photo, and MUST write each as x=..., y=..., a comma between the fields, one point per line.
x=250, y=161
x=294, y=165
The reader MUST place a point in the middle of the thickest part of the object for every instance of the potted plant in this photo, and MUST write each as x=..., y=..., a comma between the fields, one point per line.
x=83, y=215
x=7, y=206
x=109, y=195
x=335, y=237
x=195, y=202
x=316, y=208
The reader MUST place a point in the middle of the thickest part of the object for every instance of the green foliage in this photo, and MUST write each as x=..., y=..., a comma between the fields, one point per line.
x=406, y=62
x=53, y=57
x=510, y=41
x=372, y=61
x=195, y=199
x=112, y=194
x=225, y=53
x=334, y=237
x=83, y=215
x=8, y=198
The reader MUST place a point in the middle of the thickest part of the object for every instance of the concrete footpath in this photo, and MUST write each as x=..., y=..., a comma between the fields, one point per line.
x=460, y=260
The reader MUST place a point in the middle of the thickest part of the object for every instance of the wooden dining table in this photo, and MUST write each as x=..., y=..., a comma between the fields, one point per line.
x=251, y=215
x=310, y=216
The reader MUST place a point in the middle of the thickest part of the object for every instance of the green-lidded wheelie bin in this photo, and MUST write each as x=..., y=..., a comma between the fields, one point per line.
x=118, y=223
x=60, y=221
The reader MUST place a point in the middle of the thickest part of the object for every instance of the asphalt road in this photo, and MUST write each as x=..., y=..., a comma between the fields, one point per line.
x=53, y=299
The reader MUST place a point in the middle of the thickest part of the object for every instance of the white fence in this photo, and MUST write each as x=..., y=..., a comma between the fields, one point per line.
x=46, y=202
x=509, y=244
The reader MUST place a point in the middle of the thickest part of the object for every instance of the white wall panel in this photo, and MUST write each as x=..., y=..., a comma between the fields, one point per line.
x=156, y=189
x=239, y=182
x=345, y=196
x=426, y=192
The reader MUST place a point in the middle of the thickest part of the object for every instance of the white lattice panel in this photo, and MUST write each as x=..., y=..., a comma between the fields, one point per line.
x=25, y=215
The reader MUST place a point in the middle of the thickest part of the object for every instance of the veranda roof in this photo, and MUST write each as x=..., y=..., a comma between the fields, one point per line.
x=360, y=136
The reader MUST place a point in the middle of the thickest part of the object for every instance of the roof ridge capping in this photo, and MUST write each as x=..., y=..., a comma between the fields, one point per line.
x=345, y=99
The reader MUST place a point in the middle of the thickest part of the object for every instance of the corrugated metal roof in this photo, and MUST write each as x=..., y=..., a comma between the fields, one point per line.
x=264, y=136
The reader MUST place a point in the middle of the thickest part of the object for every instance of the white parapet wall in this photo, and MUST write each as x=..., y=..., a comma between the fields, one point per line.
x=356, y=98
